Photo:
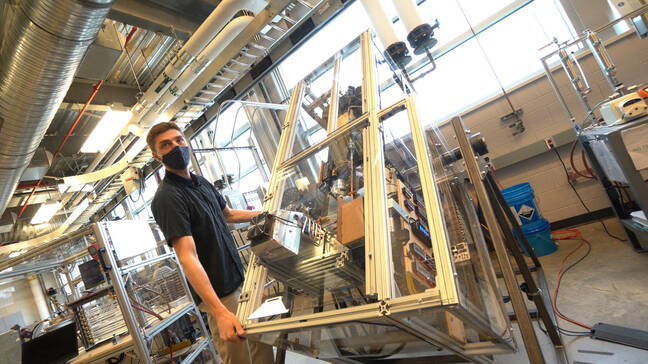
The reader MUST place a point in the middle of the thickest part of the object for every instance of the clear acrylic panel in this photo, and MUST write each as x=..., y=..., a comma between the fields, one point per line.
x=413, y=259
x=315, y=255
x=388, y=81
x=374, y=337
x=312, y=122
x=473, y=270
x=186, y=337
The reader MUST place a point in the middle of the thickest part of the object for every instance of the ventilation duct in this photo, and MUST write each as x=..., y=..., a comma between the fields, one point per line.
x=41, y=51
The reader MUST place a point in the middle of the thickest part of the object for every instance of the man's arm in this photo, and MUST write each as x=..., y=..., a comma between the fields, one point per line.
x=238, y=216
x=229, y=326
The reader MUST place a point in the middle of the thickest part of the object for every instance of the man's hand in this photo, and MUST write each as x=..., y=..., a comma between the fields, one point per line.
x=229, y=327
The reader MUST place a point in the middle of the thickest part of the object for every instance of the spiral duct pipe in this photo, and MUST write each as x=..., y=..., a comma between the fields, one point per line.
x=41, y=51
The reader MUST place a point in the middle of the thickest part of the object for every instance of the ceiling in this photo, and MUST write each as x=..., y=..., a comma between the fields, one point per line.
x=162, y=27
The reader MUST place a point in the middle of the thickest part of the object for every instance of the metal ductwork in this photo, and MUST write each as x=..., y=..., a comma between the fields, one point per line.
x=40, y=53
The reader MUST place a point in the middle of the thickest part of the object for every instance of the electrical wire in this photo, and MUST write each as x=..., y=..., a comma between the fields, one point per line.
x=589, y=212
x=571, y=234
x=138, y=307
x=573, y=165
x=490, y=65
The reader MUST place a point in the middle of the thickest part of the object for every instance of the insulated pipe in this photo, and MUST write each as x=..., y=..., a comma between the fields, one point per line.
x=394, y=49
x=408, y=14
x=198, y=41
x=39, y=298
x=380, y=22
x=215, y=47
x=41, y=51
x=419, y=34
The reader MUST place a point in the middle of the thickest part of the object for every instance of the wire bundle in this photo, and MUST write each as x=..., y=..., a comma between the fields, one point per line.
x=589, y=212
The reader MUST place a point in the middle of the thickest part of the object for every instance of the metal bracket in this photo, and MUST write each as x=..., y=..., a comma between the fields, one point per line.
x=267, y=197
x=515, y=121
x=244, y=296
x=383, y=308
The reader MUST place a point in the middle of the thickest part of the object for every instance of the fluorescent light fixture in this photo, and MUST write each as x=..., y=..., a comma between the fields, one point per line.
x=45, y=212
x=106, y=131
x=79, y=210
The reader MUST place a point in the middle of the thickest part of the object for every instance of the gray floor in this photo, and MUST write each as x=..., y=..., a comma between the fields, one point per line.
x=610, y=285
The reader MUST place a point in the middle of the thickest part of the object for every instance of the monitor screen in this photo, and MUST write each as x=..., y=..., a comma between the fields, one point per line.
x=55, y=346
x=91, y=274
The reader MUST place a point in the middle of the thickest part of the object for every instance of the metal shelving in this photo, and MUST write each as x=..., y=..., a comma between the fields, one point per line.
x=151, y=289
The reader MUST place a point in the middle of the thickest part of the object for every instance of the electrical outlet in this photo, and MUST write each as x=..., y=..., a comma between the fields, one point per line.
x=549, y=142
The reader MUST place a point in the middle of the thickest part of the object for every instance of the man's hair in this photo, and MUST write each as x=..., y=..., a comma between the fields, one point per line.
x=157, y=130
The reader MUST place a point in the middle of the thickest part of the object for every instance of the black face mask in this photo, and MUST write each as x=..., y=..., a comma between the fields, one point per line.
x=178, y=158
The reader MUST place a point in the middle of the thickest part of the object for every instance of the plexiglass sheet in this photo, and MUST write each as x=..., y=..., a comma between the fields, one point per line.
x=414, y=266
x=474, y=275
x=314, y=245
x=340, y=75
x=156, y=291
x=355, y=339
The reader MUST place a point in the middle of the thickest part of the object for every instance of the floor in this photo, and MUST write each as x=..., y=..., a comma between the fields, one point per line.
x=610, y=285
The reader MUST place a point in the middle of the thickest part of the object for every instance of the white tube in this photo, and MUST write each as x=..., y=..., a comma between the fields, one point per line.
x=380, y=22
x=199, y=39
x=408, y=14
x=215, y=47
x=39, y=298
x=151, y=118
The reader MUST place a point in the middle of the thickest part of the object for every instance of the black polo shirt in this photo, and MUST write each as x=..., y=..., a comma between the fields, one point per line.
x=194, y=207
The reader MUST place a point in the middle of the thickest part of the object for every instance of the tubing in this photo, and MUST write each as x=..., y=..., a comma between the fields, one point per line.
x=380, y=22
x=408, y=13
x=215, y=47
x=214, y=23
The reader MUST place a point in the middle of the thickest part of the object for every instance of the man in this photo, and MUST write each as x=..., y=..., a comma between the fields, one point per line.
x=193, y=215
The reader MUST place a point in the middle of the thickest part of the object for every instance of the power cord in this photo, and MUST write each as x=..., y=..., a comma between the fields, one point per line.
x=571, y=234
x=589, y=212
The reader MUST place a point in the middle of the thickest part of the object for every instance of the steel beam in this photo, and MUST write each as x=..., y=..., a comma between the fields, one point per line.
x=150, y=16
x=524, y=321
x=109, y=93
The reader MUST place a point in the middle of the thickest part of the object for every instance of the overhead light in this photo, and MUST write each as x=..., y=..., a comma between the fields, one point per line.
x=110, y=125
x=45, y=212
x=79, y=209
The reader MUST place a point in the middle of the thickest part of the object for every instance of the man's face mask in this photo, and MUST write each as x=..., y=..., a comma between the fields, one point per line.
x=178, y=158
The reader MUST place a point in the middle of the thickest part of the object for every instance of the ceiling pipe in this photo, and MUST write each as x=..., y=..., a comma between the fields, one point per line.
x=397, y=50
x=228, y=33
x=420, y=35
x=41, y=51
x=65, y=139
x=215, y=47
x=214, y=23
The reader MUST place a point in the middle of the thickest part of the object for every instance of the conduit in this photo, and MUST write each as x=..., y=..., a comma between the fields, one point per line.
x=41, y=51
x=187, y=54
x=229, y=32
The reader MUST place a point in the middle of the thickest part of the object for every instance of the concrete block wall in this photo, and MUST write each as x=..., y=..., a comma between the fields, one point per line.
x=543, y=117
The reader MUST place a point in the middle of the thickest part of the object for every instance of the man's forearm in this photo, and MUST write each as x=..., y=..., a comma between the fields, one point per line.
x=200, y=282
x=239, y=216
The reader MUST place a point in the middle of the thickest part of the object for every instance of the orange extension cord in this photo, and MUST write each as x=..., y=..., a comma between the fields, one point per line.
x=568, y=234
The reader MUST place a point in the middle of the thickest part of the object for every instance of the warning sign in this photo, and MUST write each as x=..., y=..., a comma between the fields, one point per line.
x=526, y=212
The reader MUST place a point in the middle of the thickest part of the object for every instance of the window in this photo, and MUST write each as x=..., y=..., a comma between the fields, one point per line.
x=237, y=156
x=512, y=31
